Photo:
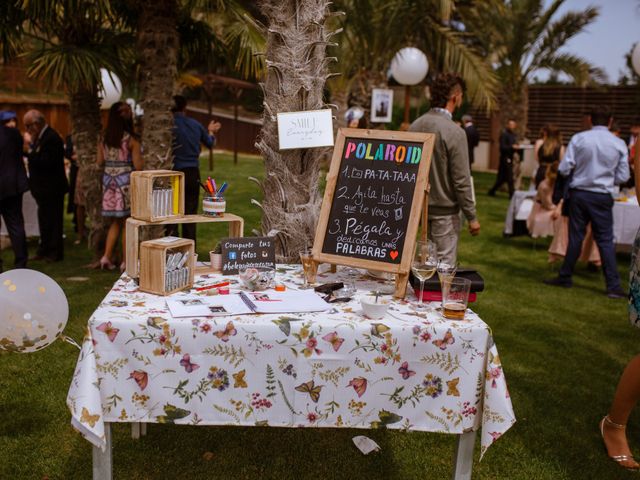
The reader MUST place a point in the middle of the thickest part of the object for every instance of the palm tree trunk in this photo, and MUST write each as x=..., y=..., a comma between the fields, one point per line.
x=297, y=73
x=85, y=115
x=157, y=46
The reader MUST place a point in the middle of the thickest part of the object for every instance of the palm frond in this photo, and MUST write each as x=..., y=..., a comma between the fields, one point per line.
x=11, y=29
x=245, y=39
x=199, y=44
x=458, y=57
x=573, y=66
x=70, y=67
x=558, y=33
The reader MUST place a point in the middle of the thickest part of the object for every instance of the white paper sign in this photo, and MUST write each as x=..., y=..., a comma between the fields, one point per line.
x=313, y=128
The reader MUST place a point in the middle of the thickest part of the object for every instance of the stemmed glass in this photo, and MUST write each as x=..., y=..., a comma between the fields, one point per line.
x=306, y=258
x=424, y=265
x=446, y=271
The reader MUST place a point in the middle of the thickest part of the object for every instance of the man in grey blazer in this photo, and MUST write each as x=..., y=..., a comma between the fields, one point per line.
x=449, y=177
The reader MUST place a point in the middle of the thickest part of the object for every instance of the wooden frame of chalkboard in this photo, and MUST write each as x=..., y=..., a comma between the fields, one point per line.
x=375, y=197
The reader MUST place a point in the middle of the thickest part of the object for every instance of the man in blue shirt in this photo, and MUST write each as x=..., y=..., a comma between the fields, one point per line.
x=188, y=135
x=596, y=161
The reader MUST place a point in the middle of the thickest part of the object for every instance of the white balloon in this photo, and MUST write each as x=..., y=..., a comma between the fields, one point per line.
x=635, y=58
x=111, y=89
x=409, y=66
x=34, y=310
x=354, y=113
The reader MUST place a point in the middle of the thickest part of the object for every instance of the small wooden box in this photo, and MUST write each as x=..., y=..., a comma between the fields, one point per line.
x=153, y=264
x=142, y=195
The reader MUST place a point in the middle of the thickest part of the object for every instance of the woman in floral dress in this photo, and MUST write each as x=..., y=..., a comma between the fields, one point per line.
x=119, y=151
x=613, y=425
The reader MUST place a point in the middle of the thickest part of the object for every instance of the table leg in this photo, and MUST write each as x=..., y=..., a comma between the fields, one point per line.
x=102, y=468
x=463, y=456
x=138, y=429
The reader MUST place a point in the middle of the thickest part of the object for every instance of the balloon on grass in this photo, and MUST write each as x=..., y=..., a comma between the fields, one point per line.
x=34, y=311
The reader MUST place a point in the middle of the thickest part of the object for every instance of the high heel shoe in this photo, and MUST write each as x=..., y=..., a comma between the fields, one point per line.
x=105, y=264
x=619, y=459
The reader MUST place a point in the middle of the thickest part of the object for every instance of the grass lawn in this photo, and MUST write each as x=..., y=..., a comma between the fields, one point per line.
x=562, y=352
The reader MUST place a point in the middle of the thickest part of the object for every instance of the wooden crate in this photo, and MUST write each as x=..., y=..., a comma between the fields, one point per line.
x=133, y=226
x=153, y=263
x=142, y=184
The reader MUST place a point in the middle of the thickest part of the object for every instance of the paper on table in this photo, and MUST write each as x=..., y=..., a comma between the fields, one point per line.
x=219, y=305
x=243, y=303
x=298, y=301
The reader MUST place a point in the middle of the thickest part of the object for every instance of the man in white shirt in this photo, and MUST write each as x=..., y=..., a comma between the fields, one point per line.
x=596, y=160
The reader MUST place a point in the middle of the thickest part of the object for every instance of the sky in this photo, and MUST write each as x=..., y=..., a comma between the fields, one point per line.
x=605, y=42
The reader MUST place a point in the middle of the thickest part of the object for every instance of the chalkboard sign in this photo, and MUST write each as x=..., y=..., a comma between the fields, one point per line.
x=374, y=198
x=247, y=251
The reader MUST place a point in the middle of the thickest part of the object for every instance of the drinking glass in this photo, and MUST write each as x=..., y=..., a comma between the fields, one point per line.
x=446, y=271
x=455, y=296
x=424, y=265
x=306, y=258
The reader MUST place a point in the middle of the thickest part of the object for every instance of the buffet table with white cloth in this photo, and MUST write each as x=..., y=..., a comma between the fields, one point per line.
x=626, y=221
x=626, y=216
x=30, y=215
x=411, y=370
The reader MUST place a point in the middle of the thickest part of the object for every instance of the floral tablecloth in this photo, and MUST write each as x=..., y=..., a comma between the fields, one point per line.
x=411, y=370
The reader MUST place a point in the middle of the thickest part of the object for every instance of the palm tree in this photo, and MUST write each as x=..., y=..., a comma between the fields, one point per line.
x=374, y=31
x=157, y=45
x=67, y=44
x=296, y=75
x=171, y=36
x=521, y=37
x=11, y=30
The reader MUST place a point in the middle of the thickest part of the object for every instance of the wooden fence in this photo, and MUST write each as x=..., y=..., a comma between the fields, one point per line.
x=566, y=107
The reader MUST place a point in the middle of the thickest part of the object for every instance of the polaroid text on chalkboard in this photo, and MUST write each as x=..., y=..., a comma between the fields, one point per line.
x=373, y=199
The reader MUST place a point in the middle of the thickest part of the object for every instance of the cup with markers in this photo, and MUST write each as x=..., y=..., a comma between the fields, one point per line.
x=213, y=203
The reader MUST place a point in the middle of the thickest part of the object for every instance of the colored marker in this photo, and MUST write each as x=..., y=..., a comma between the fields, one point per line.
x=223, y=187
x=215, y=285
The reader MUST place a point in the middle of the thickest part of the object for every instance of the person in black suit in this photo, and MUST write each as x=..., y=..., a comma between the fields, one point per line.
x=13, y=183
x=48, y=183
x=473, y=137
x=508, y=147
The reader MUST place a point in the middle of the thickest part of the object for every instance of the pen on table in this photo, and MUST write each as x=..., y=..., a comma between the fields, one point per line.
x=223, y=187
x=215, y=188
x=215, y=285
x=206, y=190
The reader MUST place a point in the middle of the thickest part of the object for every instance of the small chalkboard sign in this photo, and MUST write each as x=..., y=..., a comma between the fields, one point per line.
x=375, y=194
x=248, y=252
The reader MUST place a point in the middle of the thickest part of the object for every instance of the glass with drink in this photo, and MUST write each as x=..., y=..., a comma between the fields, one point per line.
x=424, y=265
x=446, y=271
x=306, y=258
x=455, y=296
